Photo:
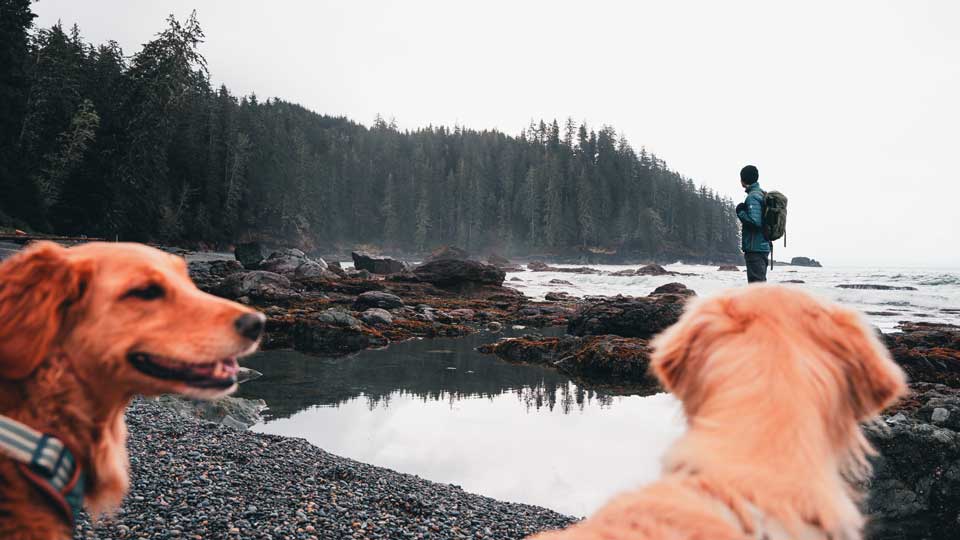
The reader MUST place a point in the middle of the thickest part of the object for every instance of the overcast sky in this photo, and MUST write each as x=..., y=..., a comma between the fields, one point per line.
x=851, y=108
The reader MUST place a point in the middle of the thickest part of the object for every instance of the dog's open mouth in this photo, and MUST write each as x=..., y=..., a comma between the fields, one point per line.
x=218, y=374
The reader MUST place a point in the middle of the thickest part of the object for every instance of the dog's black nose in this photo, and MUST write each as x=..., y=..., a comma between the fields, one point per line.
x=250, y=325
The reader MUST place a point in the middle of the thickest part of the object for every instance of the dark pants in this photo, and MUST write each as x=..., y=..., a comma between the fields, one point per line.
x=756, y=266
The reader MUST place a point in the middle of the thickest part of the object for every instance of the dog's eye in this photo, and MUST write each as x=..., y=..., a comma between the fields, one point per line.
x=150, y=292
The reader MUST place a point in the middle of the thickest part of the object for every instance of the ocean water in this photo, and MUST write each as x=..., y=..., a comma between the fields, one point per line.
x=936, y=298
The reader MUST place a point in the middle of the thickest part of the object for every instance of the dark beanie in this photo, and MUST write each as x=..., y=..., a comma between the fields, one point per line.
x=749, y=174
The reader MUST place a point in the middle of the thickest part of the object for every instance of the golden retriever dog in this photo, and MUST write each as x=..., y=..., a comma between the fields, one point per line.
x=83, y=330
x=774, y=385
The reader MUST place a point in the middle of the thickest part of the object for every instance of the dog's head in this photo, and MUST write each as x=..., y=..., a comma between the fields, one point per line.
x=126, y=315
x=781, y=343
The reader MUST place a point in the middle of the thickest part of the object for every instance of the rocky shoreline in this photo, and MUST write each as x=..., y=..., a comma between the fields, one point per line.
x=607, y=347
x=200, y=480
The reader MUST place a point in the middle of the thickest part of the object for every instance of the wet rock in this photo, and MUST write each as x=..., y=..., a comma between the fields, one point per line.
x=875, y=287
x=377, y=299
x=245, y=374
x=598, y=360
x=927, y=352
x=628, y=316
x=805, y=261
x=578, y=270
x=459, y=274
x=256, y=284
x=652, y=270
x=494, y=326
x=234, y=412
x=338, y=318
x=209, y=274
x=794, y=281
x=673, y=288
x=333, y=333
x=630, y=272
x=538, y=266
x=448, y=252
x=337, y=269
x=544, y=315
x=462, y=314
x=314, y=269
x=515, y=279
x=250, y=254
x=559, y=282
x=728, y=268
x=294, y=264
x=915, y=488
x=377, y=317
x=377, y=265
x=359, y=274
x=556, y=296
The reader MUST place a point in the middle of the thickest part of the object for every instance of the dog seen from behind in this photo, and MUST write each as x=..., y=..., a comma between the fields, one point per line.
x=774, y=385
x=83, y=330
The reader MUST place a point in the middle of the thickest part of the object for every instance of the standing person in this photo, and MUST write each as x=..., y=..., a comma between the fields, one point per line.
x=756, y=248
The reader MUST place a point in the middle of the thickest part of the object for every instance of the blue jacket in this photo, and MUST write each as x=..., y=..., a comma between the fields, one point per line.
x=752, y=219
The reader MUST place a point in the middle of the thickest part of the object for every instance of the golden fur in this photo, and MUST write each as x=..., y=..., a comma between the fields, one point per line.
x=774, y=384
x=69, y=319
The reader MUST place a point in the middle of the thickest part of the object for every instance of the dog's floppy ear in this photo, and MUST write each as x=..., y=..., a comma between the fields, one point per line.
x=678, y=350
x=36, y=287
x=874, y=380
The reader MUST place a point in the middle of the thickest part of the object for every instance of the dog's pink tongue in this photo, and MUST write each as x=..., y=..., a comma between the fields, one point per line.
x=227, y=368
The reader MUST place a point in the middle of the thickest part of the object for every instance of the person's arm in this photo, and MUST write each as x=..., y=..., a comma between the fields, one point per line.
x=751, y=213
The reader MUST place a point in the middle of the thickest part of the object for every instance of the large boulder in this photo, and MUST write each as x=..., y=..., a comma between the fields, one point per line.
x=449, y=252
x=256, y=284
x=377, y=265
x=377, y=299
x=458, y=274
x=628, y=316
x=673, y=288
x=250, y=254
x=208, y=274
x=295, y=264
x=652, y=270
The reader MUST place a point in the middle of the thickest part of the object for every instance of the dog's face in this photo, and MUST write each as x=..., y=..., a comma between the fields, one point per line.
x=128, y=317
x=782, y=343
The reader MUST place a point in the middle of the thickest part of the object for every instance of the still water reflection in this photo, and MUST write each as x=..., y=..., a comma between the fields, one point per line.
x=439, y=409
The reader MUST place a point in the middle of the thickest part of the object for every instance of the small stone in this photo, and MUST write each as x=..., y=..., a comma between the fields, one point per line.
x=940, y=415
